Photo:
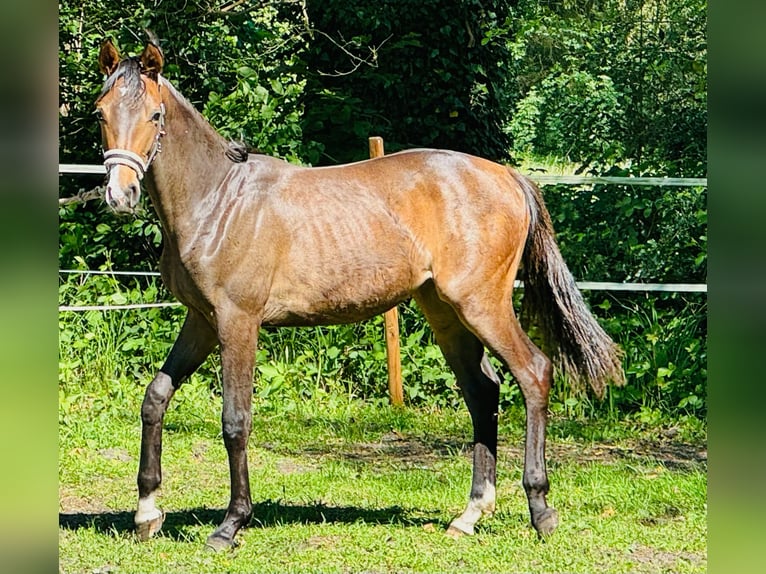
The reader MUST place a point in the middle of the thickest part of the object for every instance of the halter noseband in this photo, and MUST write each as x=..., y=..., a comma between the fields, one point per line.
x=117, y=156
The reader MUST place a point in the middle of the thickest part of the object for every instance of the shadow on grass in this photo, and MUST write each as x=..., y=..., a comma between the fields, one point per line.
x=265, y=514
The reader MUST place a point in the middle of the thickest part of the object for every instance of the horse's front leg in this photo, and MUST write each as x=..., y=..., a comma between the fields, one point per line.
x=193, y=344
x=239, y=338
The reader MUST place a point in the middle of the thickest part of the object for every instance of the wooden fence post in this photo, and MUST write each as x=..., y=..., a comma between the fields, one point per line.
x=391, y=319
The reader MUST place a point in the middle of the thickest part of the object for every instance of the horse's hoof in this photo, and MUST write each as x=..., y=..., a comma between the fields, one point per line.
x=145, y=530
x=219, y=543
x=547, y=522
x=458, y=530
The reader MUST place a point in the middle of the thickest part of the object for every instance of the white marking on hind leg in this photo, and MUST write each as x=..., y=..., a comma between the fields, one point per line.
x=477, y=507
x=147, y=509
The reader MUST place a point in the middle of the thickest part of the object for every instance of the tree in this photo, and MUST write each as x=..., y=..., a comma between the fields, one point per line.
x=608, y=81
x=417, y=72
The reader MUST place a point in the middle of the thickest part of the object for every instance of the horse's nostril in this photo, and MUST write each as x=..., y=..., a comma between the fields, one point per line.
x=133, y=192
x=110, y=200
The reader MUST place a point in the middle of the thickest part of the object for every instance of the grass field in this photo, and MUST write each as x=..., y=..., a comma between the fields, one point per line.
x=345, y=486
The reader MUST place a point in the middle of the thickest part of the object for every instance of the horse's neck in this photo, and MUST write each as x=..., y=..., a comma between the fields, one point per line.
x=191, y=165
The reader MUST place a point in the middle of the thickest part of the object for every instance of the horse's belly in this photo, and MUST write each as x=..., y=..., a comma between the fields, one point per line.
x=277, y=315
x=348, y=297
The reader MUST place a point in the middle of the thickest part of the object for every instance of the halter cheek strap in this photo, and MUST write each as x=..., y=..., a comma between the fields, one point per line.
x=117, y=156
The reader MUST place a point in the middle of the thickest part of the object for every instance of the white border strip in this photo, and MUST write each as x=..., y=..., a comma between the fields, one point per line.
x=674, y=287
x=595, y=179
x=80, y=168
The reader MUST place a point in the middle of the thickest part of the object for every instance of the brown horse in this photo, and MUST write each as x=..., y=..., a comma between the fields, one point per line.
x=250, y=240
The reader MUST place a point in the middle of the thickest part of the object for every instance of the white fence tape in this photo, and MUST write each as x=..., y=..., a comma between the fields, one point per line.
x=592, y=180
x=63, y=308
x=79, y=168
x=666, y=287
x=92, y=272
x=583, y=285
x=539, y=178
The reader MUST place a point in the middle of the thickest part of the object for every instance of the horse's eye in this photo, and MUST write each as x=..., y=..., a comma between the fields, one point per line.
x=99, y=114
x=157, y=116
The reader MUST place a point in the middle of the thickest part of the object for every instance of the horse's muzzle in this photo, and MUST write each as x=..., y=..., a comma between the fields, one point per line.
x=122, y=200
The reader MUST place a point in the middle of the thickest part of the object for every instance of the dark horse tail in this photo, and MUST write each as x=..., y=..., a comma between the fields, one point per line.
x=552, y=302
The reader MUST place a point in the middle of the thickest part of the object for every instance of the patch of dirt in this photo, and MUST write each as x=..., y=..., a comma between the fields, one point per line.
x=648, y=559
x=319, y=542
x=404, y=451
x=199, y=450
x=417, y=452
x=287, y=466
x=71, y=503
x=673, y=455
x=115, y=454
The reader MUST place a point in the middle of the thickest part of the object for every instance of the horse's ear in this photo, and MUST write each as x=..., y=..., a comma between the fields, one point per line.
x=152, y=60
x=108, y=58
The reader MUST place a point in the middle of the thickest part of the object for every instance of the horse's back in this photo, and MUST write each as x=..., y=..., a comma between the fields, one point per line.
x=448, y=190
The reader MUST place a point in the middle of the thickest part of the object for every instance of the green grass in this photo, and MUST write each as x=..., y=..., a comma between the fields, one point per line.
x=347, y=486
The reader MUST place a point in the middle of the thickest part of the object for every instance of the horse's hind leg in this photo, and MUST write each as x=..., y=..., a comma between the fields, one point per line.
x=480, y=387
x=534, y=373
x=497, y=326
x=193, y=344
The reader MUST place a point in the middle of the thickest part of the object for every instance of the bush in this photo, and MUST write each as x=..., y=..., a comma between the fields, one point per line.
x=664, y=338
x=576, y=116
x=631, y=233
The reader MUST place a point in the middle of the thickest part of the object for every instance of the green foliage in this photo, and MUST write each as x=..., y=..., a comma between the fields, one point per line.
x=665, y=341
x=114, y=344
x=271, y=130
x=258, y=99
x=641, y=234
x=570, y=115
x=90, y=237
x=664, y=338
x=631, y=233
x=608, y=82
x=418, y=73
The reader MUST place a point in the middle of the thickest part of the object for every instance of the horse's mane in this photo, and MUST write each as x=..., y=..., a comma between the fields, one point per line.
x=237, y=151
x=130, y=70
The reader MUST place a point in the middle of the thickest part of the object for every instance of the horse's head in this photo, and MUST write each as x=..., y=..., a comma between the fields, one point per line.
x=132, y=115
